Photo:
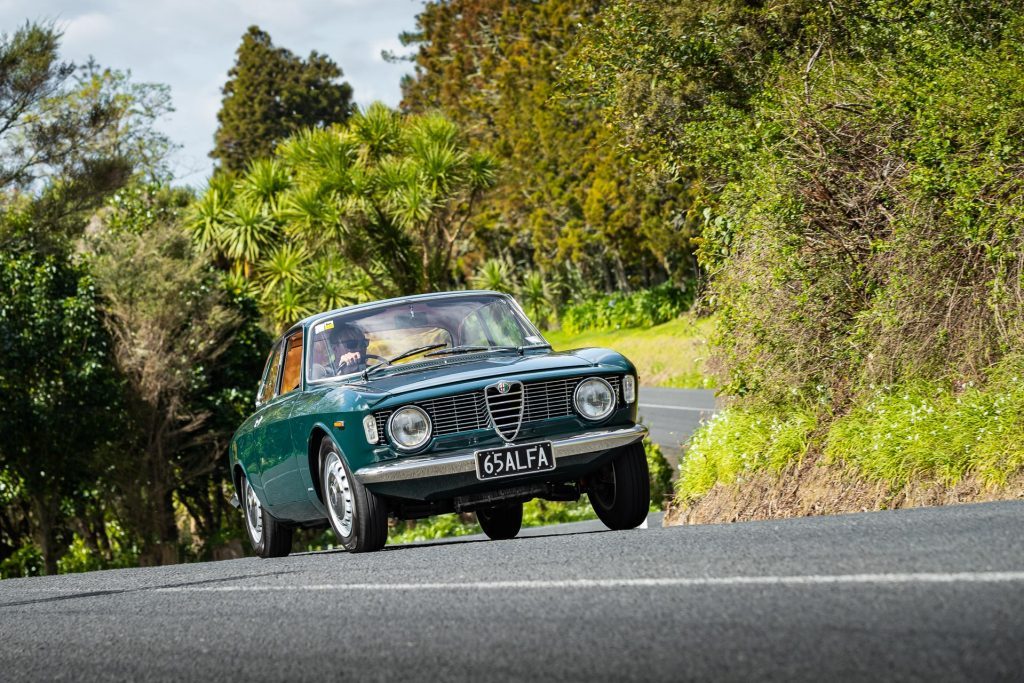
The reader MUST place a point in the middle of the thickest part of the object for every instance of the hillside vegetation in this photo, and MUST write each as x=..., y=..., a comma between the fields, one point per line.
x=861, y=167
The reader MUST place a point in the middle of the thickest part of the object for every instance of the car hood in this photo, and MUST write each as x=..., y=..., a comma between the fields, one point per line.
x=455, y=371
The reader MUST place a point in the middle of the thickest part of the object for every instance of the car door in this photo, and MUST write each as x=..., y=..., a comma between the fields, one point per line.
x=251, y=437
x=278, y=467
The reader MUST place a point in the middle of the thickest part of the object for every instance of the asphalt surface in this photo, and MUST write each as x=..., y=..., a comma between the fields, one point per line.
x=928, y=594
x=673, y=414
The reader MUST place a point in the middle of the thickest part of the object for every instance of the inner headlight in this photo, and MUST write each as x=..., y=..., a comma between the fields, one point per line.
x=594, y=398
x=409, y=427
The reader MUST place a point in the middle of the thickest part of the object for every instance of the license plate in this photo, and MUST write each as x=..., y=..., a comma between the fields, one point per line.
x=509, y=461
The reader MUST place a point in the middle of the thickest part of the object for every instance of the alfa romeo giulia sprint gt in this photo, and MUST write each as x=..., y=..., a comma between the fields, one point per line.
x=432, y=404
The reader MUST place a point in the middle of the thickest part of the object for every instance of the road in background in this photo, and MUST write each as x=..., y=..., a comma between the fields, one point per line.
x=927, y=594
x=673, y=414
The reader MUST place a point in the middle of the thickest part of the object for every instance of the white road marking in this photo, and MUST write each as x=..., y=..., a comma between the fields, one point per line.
x=664, y=407
x=809, y=580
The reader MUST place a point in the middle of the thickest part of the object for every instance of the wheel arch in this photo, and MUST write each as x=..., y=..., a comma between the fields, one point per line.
x=316, y=437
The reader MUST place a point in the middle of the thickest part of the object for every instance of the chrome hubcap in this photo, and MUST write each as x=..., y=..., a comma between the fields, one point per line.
x=339, y=496
x=253, y=514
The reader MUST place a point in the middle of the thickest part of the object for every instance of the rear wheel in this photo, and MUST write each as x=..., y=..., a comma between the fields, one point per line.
x=358, y=517
x=620, y=493
x=501, y=521
x=269, y=537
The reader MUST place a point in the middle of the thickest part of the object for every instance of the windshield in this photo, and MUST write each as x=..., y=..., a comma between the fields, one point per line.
x=349, y=343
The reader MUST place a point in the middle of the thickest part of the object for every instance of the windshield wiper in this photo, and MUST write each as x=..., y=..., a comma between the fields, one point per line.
x=471, y=349
x=411, y=352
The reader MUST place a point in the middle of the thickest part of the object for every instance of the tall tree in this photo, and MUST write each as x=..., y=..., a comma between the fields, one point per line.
x=170, y=327
x=69, y=137
x=271, y=93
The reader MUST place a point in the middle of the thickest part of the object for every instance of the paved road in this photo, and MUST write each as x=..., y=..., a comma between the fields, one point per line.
x=931, y=594
x=673, y=414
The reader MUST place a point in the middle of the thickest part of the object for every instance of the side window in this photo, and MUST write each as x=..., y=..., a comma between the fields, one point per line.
x=291, y=376
x=269, y=386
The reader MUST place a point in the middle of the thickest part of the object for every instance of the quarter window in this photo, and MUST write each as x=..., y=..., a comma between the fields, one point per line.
x=291, y=376
x=269, y=387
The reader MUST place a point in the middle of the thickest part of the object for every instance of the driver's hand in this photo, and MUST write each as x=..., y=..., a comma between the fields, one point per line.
x=350, y=357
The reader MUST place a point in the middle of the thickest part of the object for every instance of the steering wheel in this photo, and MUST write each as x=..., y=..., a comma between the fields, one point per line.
x=380, y=358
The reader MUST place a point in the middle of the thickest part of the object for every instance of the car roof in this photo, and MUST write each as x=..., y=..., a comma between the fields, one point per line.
x=305, y=322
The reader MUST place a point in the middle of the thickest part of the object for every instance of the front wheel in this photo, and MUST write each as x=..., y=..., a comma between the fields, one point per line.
x=501, y=522
x=358, y=517
x=620, y=493
x=269, y=537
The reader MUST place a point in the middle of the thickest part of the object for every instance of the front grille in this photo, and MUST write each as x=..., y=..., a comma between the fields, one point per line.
x=468, y=412
x=448, y=414
x=505, y=404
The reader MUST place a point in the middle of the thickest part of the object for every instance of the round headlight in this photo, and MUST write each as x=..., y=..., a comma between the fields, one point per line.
x=594, y=398
x=409, y=428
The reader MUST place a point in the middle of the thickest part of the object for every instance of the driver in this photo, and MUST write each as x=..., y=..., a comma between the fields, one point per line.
x=348, y=350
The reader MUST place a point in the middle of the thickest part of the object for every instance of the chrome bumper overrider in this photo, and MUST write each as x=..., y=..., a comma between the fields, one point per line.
x=419, y=467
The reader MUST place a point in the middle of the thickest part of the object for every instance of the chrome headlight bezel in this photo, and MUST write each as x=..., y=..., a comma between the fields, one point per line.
x=426, y=434
x=607, y=388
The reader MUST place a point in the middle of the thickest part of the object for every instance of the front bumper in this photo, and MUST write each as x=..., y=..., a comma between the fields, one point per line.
x=430, y=477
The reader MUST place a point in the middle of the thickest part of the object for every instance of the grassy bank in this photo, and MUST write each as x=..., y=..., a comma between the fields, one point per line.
x=668, y=355
x=915, y=436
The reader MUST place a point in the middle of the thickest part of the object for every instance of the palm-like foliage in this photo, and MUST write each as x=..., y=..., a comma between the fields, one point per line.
x=286, y=263
x=377, y=207
x=248, y=231
x=205, y=219
x=494, y=274
x=536, y=298
x=265, y=180
x=286, y=304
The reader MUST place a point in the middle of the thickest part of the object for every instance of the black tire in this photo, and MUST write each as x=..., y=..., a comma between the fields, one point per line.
x=367, y=529
x=268, y=537
x=501, y=522
x=620, y=493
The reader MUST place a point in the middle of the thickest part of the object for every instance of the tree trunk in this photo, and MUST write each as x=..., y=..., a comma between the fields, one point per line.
x=45, y=533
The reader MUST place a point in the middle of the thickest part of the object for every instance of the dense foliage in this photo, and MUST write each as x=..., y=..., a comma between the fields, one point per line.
x=570, y=203
x=862, y=172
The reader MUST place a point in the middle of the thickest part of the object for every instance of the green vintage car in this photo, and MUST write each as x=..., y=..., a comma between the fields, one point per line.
x=433, y=404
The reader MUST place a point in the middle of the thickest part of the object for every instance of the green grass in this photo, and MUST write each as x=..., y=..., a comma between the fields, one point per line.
x=668, y=355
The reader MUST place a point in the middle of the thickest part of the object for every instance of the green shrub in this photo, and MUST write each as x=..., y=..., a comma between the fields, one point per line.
x=661, y=475
x=639, y=309
x=431, y=528
x=743, y=440
x=543, y=512
x=26, y=561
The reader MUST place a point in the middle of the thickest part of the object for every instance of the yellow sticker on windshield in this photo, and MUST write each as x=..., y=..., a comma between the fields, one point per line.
x=329, y=325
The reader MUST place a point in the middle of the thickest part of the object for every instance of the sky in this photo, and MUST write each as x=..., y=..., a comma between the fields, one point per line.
x=190, y=45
